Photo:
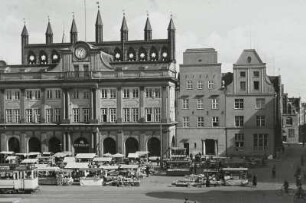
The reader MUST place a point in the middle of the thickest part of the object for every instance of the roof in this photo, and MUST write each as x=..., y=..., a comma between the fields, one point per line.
x=29, y=161
x=85, y=156
x=148, y=25
x=102, y=159
x=124, y=26
x=99, y=19
x=78, y=165
x=249, y=57
x=73, y=27
x=49, y=29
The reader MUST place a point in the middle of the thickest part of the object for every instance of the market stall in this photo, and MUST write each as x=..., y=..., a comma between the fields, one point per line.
x=235, y=176
x=48, y=175
x=91, y=177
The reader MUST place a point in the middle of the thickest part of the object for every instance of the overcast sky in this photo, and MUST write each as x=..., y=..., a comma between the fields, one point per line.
x=275, y=28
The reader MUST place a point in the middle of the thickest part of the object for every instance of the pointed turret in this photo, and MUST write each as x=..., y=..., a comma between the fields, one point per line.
x=49, y=34
x=171, y=40
x=99, y=28
x=24, y=42
x=124, y=30
x=73, y=32
x=148, y=30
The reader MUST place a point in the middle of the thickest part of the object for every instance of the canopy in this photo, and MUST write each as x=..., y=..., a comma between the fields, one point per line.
x=11, y=157
x=62, y=154
x=7, y=152
x=85, y=156
x=76, y=165
x=124, y=166
x=118, y=155
x=29, y=161
x=68, y=159
x=109, y=167
x=133, y=155
x=107, y=154
x=102, y=159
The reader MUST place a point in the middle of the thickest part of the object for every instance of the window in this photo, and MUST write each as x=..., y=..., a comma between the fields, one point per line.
x=113, y=93
x=57, y=115
x=135, y=116
x=189, y=85
x=200, y=85
x=49, y=94
x=186, y=122
x=9, y=115
x=185, y=104
x=75, y=94
x=113, y=115
x=157, y=114
x=8, y=95
x=76, y=115
x=260, y=103
x=238, y=103
x=58, y=94
x=76, y=70
x=157, y=93
x=256, y=74
x=48, y=115
x=149, y=92
x=200, y=104
x=201, y=121
x=290, y=132
x=126, y=115
x=215, y=121
x=86, y=115
x=214, y=104
x=135, y=93
x=36, y=115
x=29, y=94
x=16, y=115
x=243, y=86
x=289, y=121
x=86, y=95
x=256, y=85
x=239, y=121
x=36, y=94
x=103, y=114
x=239, y=141
x=242, y=74
x=260, y=121
x=29, y=115
x=103, y=93
x=210, y=84
x=17, y=95
x=126, y=93
x=260, y=141
x=149, y=115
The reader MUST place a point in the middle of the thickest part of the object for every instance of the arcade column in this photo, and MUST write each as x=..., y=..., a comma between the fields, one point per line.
x=120, y=142
x=4, y=142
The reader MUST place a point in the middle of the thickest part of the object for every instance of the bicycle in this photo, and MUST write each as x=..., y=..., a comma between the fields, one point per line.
x=282, y=191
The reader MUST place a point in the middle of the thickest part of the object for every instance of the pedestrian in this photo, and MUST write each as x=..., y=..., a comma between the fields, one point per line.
x=254, y=181
x=147, y=171
x=273, y=171
x=157, y=161
x=207, y=182
x=186, y=200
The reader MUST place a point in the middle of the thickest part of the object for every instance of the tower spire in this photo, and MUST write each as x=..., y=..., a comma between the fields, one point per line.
x=73, y=31
x=148, y=29
x=99, y=26
x=124, y=29
x=24, y=42
x=49, y=33
x=171, y=39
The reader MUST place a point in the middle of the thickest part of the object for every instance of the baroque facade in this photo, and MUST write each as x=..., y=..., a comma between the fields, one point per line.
x=101, y=96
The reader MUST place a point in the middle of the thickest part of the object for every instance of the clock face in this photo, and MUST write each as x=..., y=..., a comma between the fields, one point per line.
x=80, y=52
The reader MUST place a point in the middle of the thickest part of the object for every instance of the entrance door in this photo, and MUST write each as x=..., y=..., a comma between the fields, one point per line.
x=210, y=147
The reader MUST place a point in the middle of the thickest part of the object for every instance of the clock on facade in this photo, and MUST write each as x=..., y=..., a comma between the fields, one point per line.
x=80, y=52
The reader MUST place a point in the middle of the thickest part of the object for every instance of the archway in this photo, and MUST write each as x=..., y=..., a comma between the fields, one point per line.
x=13, y=145
x=154, y=146
x=131, y=146
x=34, y=145
x=54, y=145
x=210, y=147
x=81, y=145
x=109, y=146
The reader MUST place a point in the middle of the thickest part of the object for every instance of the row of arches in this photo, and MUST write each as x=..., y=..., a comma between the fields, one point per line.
x=81, y=145
x=43, y=57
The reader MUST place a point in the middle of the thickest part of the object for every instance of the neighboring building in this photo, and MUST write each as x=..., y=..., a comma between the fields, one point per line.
x=201, y=103
x=102, y=96
x=251, y=108
x=303, y=123
x=291, y=119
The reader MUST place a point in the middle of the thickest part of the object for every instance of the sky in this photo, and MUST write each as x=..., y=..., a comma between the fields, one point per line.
x=275, y=28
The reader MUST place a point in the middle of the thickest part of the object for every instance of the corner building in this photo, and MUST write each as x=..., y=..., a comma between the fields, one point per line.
x=101, y=96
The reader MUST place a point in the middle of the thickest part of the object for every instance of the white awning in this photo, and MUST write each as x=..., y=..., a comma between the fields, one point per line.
x=107, y=154
x=109, y=167
x=124, y=166
x=11, y=157
x=69, y=159
x=118, y=155
x=133, y=155
x=7, y=152
x=62, y=154
x=29, y=161
x=47, y=168
x=34, y=153
x=142, y=153
x=85, y=156
x=102, y=159
x=76, y=165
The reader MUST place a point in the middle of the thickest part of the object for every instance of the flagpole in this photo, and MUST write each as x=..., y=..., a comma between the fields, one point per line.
x=85, y=18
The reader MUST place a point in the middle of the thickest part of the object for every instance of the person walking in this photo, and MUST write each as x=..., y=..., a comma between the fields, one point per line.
x=273, y=171
x=254, y=181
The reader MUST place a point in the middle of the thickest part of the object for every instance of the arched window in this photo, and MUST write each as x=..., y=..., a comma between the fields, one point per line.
x=13, y=145
x=54, y=145
x=142, y=54
x=117, y=54
x=154, y=146
x=153, y=54
x=55, y=57
x=34, y=145
x=131, y=54
x=109, y=145
x=31, y=58
x=164, y=54
x=131, y=145
x=43, y=59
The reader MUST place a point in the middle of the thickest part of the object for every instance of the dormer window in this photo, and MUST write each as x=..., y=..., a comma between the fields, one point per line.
x=249, y=59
